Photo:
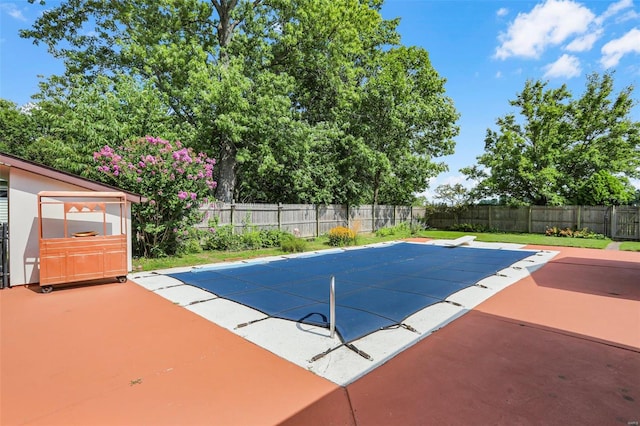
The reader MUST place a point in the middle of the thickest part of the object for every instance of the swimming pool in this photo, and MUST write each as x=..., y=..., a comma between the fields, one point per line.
x=376, y=287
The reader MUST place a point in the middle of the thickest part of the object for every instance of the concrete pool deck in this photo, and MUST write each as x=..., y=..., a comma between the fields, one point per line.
x=560, y=346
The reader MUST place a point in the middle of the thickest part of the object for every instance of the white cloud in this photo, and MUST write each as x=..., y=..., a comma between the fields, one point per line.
x=547, y=24
x=567, y=66
x=12, y=10
x=503, y=11
x=613, y=9
x=614, y=50
x=628, y=16
x=584, y=43
x=499, y=74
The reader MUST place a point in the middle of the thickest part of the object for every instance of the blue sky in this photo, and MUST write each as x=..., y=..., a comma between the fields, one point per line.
x=485, y=49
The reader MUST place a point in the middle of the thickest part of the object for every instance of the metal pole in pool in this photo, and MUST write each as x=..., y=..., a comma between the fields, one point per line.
x=332, y=306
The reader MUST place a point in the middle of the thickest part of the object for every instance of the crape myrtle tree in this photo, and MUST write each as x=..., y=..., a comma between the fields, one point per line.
x=174, y=180
x=275, y=90
x=562, y=150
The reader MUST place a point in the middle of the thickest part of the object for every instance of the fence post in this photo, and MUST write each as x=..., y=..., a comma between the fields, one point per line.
x=317, y=220
x=348, y=217
x=529, y=219
x=579, y=217
x=373, y=217
x=279, y=216
x=614, y=225
x=231, y=215
x=411, y=216
x=490, y=220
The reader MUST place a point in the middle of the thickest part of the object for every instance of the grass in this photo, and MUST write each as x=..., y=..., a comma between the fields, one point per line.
x=530, y=239
x=630, y=246
x=321, y=243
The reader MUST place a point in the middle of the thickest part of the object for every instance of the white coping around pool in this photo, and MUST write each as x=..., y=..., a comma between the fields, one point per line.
x=299, y=343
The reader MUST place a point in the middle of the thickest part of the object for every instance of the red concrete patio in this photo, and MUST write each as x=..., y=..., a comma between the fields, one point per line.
x=559, y=347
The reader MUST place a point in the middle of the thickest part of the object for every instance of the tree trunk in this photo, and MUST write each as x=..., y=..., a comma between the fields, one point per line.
x=227, y=162
x=225, y=26
x=226, y=173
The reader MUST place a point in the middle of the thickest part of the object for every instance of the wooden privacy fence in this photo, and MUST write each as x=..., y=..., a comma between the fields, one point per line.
x=615, y=222
x=312, y=220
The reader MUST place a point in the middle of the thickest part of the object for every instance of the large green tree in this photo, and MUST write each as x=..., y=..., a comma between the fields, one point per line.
x=16, y=128
x=266, y=87
x=557, y=144
x=406, y=121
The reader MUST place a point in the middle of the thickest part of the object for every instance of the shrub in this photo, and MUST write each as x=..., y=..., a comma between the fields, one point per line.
x=554, y=231
x=292, y=244
x=341, y=236
x=189, y=241
x=271, y=237
x=222, y=238
x=384, y=232
x=471, y=227
x=403, y=228
x=251, y=238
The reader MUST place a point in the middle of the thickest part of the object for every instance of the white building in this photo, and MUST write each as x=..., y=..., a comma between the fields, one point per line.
x=20, y=183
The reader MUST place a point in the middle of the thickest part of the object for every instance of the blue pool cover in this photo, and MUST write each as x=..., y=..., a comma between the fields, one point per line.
x=376, y=287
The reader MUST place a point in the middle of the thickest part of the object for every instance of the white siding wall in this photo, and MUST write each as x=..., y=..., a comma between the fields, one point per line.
x=23, y=223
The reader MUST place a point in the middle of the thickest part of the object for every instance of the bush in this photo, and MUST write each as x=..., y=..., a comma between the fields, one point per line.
x=272, y=237
x=554, y=231
x=222, y=238
x=385, y=232
x=403, y=228
x=292, y=244
x=341, y=236
x=189, y=242
x=251, y=238
x=472, y=227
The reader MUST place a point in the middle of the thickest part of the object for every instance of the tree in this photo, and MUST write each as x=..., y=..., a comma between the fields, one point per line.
x=17, y=130
x=606, y=190
x=405, y=121
x=268, y=88
x=174, y=180
x=452, y=195
x=559, y=143
x=77, y=119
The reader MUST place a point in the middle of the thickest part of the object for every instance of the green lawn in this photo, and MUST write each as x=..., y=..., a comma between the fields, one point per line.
x=533, y=239
x=321, y=243
x=630, y=246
